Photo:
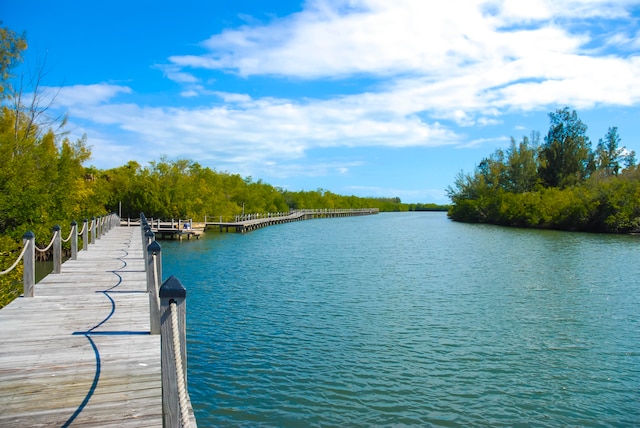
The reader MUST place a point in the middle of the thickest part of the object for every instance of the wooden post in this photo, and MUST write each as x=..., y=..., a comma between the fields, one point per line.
x=85, y=235
x=144, y=227
x=154, y=277
x=147, y=239
x=150, y=237
x=29, y=260
x=57, y=250
x=74, y=240
x=172, y=291
x=93, y=230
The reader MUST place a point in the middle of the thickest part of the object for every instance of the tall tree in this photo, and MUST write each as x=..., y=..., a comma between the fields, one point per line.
x=565, y=157
x=609, y=153
x=522, y=165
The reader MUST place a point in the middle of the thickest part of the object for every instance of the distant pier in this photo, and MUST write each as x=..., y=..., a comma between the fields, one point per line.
x=250, y=222
x=179, y=229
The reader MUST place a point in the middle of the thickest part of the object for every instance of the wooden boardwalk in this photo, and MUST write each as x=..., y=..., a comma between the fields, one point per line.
x=257, y=221
x=79, y=353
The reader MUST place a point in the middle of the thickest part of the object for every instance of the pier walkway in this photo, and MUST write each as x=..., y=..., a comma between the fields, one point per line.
x=80, y=352
x=251, y=222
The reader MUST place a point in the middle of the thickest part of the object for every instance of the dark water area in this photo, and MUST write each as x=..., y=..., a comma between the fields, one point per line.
x=43, y=268
x=409, y=319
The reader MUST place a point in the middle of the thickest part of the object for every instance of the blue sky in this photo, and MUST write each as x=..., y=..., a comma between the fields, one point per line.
x=363, y=97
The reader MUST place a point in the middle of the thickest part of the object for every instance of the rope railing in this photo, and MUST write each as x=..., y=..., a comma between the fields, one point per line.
x=48, y=247
x=73, y=226
x=167, y=311
x=27, y=255
x=182, y=384
x=84, y=227
x=13, y=266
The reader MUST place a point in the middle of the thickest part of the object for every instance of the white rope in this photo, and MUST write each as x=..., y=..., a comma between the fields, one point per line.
x=50, y=243
x=69, y=237
x=16, y=262
x=84, y=225
x=182, y=387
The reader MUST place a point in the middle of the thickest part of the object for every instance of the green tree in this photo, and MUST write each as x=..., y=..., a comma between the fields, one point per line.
x=608, y=153
x=522, y=165
x=11, y=47
x=630, y=159
x=565, y=157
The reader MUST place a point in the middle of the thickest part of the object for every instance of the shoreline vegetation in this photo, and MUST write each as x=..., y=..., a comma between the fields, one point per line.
x=560, y=183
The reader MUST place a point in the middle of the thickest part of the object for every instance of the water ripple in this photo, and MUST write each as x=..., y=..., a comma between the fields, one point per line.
x=409, y=319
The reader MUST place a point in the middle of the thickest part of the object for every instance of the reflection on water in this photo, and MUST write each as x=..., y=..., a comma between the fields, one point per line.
x=43, y=268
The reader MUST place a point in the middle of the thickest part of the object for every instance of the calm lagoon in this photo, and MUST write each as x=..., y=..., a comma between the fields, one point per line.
x=403, y=319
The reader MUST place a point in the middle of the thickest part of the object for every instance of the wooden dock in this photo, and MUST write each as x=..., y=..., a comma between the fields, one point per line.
x=251, y=222
x=164, y=229
x=80, y=352
x=175, y=233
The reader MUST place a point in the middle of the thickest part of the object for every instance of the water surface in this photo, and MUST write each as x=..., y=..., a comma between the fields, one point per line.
x=411, y=319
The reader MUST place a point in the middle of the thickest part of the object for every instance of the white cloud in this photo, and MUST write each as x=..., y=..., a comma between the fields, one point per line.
x=260, y=130
x=461, y=56
x=175, y=73
x=383, y=38
x=87, y=94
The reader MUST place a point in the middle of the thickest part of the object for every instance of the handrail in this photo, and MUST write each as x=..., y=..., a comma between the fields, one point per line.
x=183, y=395
x=84, y=226
x=13, y=266
x=48, y=247
x=27, y=255
x=167, y=311
x=70, y=234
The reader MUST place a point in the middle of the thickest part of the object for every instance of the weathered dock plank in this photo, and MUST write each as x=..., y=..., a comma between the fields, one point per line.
x=79, y=353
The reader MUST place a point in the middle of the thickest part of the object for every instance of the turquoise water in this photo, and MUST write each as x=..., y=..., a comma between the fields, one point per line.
x=411, y=319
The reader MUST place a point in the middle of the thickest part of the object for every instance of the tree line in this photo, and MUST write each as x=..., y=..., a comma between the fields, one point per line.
x=559, y=183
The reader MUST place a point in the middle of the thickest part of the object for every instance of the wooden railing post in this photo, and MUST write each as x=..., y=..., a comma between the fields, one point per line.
x=85, y=235
x=172, y=291
x=154, y=277
x=144, y=228
x=74, y=240
x=93, y=230
x=99, y=227
x=57, y=250
x=149, y=237
x=29, y=260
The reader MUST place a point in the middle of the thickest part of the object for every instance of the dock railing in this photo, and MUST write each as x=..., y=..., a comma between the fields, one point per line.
x=167, y=312
x=99, y=226
x=167, y=306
